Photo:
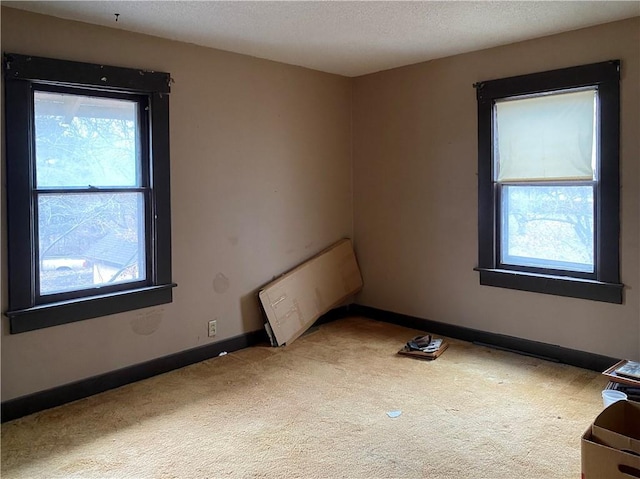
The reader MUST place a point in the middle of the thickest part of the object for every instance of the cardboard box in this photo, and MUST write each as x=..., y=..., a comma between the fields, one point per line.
x=602, y=462
x=293, y=302
x=618, y=426
x=610, y=447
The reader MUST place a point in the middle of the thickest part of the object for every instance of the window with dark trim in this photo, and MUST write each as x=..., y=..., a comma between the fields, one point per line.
x=88, y=199
x=548, y=182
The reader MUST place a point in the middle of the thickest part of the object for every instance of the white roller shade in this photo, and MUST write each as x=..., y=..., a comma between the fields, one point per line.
x=546, y=138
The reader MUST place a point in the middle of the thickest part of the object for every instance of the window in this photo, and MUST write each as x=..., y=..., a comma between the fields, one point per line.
x=548, y=182
x=88, y=201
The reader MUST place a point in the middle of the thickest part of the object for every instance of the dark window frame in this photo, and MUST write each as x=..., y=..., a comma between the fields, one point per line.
x=22, y=75
x=604, y=284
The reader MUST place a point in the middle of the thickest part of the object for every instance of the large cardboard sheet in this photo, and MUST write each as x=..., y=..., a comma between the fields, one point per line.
x=293, y=302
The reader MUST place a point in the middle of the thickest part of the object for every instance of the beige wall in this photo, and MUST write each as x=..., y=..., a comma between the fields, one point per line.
x=415, y=194
x=261, y=180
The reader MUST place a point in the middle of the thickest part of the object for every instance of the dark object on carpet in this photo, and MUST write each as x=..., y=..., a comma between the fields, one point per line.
x=424, y=347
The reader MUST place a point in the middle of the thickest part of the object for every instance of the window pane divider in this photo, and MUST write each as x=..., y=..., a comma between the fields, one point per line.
x=120, y=189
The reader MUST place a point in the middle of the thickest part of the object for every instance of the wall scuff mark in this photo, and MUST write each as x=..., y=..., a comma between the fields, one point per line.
x=147, y=322
x=220, y=283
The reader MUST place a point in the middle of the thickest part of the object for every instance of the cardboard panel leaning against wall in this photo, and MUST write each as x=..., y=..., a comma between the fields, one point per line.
x=295, y=301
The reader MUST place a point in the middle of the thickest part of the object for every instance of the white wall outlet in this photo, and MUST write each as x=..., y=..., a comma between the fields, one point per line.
x=213, y=327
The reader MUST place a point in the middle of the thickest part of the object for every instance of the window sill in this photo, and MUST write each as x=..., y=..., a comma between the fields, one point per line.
x=54, y=314
x=555, y=285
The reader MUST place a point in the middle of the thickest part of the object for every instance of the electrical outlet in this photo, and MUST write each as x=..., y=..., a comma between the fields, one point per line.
x=213, y=326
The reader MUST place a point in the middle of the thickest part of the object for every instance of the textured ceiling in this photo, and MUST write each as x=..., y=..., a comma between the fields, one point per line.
x=345, y=37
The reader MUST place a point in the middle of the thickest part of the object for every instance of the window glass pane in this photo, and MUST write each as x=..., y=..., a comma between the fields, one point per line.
x=548, y=227
x=84, y=140
x=549, y=137
x=89, y=240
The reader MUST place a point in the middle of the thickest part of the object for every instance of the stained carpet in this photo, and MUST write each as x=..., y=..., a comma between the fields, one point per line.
x=318, y=409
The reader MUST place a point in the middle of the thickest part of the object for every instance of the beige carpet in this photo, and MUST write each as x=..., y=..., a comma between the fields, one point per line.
x=318, y=409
